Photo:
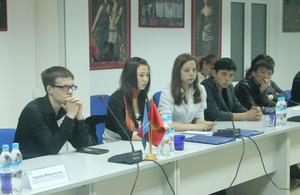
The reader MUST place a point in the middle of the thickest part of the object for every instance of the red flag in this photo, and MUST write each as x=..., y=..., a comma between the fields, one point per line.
x=157, y=126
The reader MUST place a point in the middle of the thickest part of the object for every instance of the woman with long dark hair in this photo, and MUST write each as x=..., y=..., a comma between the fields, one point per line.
x=127, y=103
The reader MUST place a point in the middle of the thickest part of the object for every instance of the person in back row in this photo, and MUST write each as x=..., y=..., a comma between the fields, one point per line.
x=257, y=88
x=47, y=123
x=222, y=104
x=205, y=66
x=126, y=105
x=185, y=98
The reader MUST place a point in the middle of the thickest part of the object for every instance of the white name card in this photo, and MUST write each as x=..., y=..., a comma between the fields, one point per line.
x=45, y=177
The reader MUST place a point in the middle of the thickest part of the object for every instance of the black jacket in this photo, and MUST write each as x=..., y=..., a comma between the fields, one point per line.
x=117, y=106
x=295, y=90
x=247, y=91
x=38, y=133
x=220, y=105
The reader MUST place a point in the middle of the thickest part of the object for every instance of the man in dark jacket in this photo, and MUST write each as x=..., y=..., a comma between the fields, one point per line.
x=257, y=88
x=222, y=103
x=47, y=123
x=295, y=93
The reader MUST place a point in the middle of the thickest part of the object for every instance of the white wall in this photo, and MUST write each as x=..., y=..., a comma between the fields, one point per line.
x=17, y=61
x=77, y=47
x=159, y=46
x=30, y=45
x=33, y=42
x=286, y=48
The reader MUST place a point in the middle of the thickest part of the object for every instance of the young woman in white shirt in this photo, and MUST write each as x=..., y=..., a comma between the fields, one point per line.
x=185, y=98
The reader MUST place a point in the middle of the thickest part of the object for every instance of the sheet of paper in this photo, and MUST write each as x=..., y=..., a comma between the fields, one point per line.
x=197, y=132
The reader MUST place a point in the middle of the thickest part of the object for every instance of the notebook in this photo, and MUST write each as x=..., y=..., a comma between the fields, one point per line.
x=249, y=132
x=205, y=139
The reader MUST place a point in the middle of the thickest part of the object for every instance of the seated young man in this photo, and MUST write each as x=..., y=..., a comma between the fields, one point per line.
x=47, y=123
x=257, y=88
x=222, y=104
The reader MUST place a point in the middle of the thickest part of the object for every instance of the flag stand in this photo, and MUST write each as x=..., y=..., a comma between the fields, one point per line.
x=150, y=155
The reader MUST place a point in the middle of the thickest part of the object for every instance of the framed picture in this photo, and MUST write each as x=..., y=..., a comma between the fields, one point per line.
x=161, y=13
x=291, y=16
x=3, y=16
x=206, y=27
x=109, y=25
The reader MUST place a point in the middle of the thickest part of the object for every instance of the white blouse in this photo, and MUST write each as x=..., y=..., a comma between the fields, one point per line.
x=183, y=113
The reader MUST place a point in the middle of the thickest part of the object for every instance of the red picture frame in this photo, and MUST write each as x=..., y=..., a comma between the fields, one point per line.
x=109, y=27
x=206, y=27
x=3, y=15
x=161, y=13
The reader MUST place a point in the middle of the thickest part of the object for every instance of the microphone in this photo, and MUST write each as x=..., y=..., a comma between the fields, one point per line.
x=294, y=102
x=132, y=157
x=297, y=117
x=228, y=132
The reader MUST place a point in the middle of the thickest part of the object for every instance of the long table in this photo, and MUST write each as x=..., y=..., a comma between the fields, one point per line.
x=199, y=169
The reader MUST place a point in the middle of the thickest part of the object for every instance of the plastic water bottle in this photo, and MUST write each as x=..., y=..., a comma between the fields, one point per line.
x=281, y=112
x=167, y=143
x=164, y=144
x=171, y=133
x=5, y=170
x=16, y=168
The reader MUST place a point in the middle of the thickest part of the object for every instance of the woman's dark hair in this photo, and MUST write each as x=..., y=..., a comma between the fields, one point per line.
x=261, y=60
x=225, y=64
x=176, y=83
x=209, y=59
x=129, y=85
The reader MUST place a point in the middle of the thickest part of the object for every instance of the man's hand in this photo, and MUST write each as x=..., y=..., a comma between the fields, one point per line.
x=254, y=114
x=264, y=84
x=73, y=106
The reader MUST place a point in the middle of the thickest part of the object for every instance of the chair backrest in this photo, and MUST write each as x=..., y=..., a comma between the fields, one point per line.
x=98, y=107
x=289, y=94
x=7, y=136
x=156, y=98
x=92, y=122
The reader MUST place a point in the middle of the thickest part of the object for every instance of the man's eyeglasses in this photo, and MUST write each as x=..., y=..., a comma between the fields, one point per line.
x=66, y=87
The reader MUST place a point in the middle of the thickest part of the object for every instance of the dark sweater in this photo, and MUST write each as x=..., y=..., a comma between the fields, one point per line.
x=117, y=106
x=247, y=91
x=295, y=90
x=220, y=105
x=38, y=133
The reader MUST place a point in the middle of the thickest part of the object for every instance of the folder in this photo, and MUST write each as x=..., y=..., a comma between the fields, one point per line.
x=249, y=132
x=205, y=139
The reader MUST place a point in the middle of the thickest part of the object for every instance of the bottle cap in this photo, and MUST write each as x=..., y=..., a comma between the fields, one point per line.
x=15, y=146
x=281, y=98
x=165, y=117
x=5, y=147
x=170, y=117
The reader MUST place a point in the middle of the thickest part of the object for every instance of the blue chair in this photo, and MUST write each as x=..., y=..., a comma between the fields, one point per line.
x=156, y=98
x=7, y=136
x=98, y=108
x=289, y=94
